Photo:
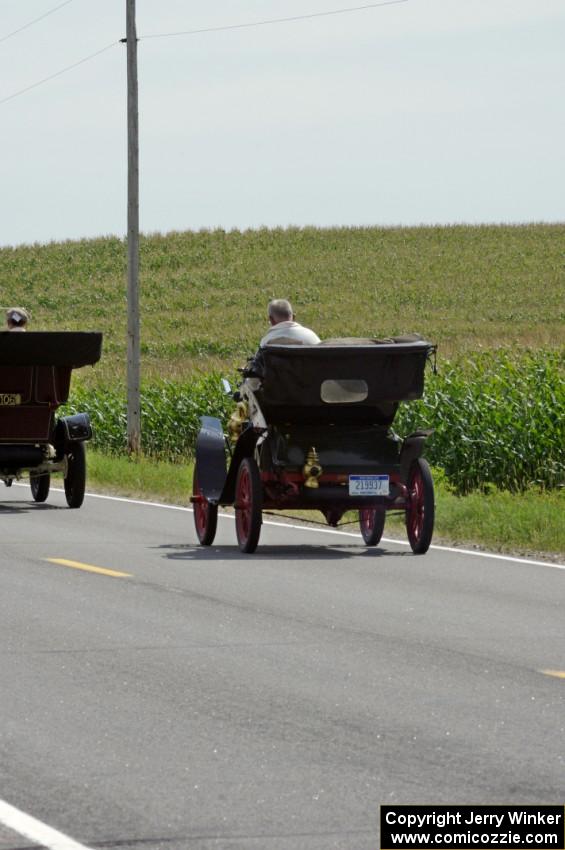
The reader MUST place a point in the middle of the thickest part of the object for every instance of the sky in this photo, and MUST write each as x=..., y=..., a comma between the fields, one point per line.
x=418, y=112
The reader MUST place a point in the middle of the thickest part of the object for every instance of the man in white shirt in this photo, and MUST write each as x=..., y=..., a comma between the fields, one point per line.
x=284, y=329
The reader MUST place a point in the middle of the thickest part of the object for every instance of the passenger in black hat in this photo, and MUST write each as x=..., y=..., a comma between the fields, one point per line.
x=17, y=319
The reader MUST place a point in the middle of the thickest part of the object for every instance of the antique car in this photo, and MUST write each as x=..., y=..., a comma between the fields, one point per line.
x=312, y=431
x=35, y=377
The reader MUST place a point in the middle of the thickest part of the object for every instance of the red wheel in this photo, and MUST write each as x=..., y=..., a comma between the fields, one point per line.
x=420, y=510
x=205, y=515
x=248, y=505
x=371, y=523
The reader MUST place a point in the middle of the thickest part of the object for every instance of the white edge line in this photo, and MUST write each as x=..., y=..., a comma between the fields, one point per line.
x=35, y=830
x=454, y=549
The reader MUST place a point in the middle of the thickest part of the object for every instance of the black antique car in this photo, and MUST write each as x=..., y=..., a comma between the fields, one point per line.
x=312, y=430
x=35, y=377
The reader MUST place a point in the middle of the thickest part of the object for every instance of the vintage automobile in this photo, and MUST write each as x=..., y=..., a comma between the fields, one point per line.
x=35, y=377
x=312, y=430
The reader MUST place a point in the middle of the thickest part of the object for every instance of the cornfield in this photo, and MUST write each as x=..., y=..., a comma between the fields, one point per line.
x=498, y=419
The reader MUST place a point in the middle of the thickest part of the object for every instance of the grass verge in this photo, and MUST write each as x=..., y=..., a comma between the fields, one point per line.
x=528, y=524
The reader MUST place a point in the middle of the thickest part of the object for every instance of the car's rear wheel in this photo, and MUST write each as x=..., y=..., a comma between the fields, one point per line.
x=205, y=514
x=372, y=523
x=40, y=484
x=75, y=479
x=421, y=508
x=248, y=505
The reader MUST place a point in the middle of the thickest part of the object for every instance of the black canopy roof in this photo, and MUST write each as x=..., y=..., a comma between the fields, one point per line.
x=50, y=348
x=392, y=371
x=299, y=380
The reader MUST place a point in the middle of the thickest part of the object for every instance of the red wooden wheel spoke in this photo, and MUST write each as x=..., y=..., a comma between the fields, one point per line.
x=248, y=501
x=420, y=509
x=417, y=506
x=205, y=515
x=243, y=503
x=371, y=523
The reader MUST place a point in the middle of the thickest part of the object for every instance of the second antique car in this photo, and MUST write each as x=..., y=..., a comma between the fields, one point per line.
x=35, y=377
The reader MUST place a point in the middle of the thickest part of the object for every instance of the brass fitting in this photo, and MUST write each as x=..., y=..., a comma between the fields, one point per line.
x=237, y=420
x=312, y=469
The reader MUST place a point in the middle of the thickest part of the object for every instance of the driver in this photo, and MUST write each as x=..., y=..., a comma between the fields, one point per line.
x=283, y=331
x=283, y=327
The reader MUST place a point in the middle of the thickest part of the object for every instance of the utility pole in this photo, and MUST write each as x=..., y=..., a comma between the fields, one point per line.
x=133, y=373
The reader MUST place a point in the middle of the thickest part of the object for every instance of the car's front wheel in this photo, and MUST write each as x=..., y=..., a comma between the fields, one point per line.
x=248, y=505
x=205, y=514
x=40, y=483
x=372, y=523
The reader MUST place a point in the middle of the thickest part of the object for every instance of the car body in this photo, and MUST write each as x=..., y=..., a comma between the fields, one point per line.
x=312, y=431
x=35, y=377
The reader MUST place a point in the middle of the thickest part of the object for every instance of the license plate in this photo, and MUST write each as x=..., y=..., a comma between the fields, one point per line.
x=10, y=399
x=368, y=485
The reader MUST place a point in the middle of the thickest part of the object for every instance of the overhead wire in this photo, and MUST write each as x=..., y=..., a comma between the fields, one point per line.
x=58, y=73
x=261, y=23
x=35, y=20
x=269, y=21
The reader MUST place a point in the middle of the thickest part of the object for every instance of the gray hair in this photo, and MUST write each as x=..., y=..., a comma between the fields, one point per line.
x=280, y=310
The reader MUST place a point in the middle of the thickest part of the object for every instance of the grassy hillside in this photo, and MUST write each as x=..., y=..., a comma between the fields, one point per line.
x=203, y=295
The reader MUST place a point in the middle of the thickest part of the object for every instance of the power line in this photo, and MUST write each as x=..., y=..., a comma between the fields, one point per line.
x=35, y=20
x=190, y=32
x=58, y=73
x=276, y=20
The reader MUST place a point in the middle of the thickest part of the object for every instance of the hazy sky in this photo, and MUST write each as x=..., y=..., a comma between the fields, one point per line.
x=428, y=111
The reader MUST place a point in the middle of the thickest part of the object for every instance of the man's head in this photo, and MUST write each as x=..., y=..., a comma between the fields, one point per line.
x=280, y=311
x=16, y=317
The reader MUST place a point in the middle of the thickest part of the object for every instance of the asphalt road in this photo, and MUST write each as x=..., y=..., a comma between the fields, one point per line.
x=208, y=699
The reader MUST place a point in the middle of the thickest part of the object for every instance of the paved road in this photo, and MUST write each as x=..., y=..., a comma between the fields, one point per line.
x=269, y=702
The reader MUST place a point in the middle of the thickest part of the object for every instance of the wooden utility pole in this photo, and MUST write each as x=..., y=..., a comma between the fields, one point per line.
x=134, y=402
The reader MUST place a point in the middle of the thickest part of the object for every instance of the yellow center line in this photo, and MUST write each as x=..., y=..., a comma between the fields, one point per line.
x=559, y=674
x=89, y=568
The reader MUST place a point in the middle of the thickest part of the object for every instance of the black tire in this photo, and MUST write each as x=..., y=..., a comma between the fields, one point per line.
x=75, y=479
x=248, y=505
x=421, y=507
x=205, y=515
x=372, y=524
x=40, y=485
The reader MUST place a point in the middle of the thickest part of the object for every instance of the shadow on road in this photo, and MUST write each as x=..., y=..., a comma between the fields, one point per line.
x=26, y=507
x=191, y=552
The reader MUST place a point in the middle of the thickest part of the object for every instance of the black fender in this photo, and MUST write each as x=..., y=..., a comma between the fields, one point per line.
x=244, y=447
x=211, y=458
x=412, y=448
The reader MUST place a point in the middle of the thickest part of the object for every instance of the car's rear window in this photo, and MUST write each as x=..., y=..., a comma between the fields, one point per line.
x=343, y=391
